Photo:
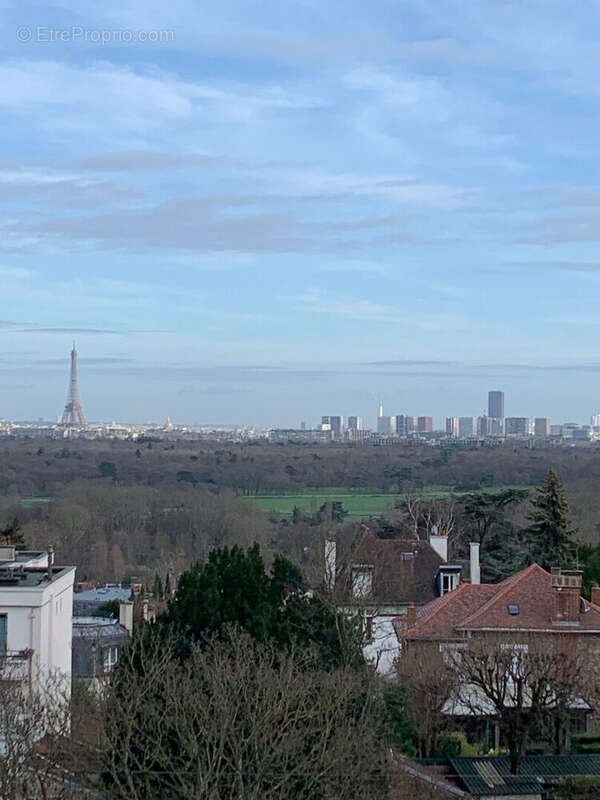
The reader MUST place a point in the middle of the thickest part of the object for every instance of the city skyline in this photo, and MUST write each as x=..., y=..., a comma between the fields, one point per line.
x=271, y=199
x=390, y=408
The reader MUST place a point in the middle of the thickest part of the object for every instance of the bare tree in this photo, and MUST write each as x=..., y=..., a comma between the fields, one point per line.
x=239, y=719
x=423, y=514
x=35, y=725
x=429, y=682
x=518, y=681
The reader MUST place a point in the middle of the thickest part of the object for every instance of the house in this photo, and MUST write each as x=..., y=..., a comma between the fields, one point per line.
x=531, y=602
x=533, y=608
x=36, y=598
x=384, y=579
x=97, y=646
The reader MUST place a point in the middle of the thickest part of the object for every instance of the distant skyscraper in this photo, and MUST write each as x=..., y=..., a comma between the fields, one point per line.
x=517, y=426
x=73, y=414
x=595, y=420
x=452, y=427
x=384, y=424
x=541, y=427
x=355, y=423
x=467, y=427
x=334, y=424
x=496, y=404
x=425, y=424
x=403, y=424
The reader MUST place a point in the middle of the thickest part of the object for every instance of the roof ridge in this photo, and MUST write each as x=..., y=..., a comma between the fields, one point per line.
x=510, y=582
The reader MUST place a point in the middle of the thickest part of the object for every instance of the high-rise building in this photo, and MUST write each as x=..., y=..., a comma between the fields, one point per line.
x=452, y=427
x=517, y=426
x=496, y=404
x=337, y=427
x=541, y=427
x=403, y=424
x=386, y=425
x=467, y=427
x=355, y=423
x=595, y=420
x=425, y=424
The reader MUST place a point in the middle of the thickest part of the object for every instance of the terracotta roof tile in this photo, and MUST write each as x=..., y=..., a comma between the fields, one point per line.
x=485, y=606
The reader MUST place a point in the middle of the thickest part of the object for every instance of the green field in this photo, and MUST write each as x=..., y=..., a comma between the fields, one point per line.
x=358, y=504
x=31, y=502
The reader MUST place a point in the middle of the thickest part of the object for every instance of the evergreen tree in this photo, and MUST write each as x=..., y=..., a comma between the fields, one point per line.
x=549, y=536
x=233, y=588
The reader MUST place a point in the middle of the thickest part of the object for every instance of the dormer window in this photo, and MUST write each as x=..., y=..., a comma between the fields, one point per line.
x=362, y=580
x=448, y=578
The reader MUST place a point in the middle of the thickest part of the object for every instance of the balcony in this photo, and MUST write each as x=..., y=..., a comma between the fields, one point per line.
x=15, y=665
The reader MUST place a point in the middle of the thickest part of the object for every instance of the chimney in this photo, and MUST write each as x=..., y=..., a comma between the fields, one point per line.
x=439, y=542
x=475, y=568
x=596, y=594
x=566, y=591
x=330, y=561
x=126, y=615
x=411, y=615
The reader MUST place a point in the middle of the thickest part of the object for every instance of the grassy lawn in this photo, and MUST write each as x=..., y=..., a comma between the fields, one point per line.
x=31, y=502
x=357, y=504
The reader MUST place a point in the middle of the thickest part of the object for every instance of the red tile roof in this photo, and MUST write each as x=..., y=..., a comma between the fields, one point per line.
x=485, y=606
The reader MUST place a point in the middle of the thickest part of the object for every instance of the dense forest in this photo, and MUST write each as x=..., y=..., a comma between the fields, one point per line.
x=132, y=508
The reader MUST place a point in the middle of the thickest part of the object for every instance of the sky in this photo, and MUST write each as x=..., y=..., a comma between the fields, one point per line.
x=262, y=212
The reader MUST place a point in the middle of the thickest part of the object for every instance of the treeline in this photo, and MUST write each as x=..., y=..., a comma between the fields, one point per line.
x=32, y=467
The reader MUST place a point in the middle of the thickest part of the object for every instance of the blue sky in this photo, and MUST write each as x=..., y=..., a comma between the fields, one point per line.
x=287, y=209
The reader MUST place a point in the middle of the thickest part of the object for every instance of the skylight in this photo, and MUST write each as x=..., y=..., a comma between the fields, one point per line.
x=513, y=609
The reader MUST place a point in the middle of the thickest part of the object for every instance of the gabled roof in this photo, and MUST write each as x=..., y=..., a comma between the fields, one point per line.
x=404, y=570
x=486, y=607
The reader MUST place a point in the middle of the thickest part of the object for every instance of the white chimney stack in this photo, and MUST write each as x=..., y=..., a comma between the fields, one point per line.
x=474, y=559
x=439, y=543
x=126, y=615
x=330, y=561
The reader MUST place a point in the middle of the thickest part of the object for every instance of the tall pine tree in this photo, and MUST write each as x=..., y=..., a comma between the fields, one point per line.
x=549, y=536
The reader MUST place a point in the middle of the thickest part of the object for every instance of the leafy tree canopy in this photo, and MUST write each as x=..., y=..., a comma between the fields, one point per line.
x=234, y=588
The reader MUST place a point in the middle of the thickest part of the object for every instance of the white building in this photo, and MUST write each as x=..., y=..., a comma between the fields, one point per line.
x=36, y=602
x=380, y=579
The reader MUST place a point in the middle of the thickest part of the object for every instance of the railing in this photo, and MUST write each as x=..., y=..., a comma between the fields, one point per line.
x=15, y=664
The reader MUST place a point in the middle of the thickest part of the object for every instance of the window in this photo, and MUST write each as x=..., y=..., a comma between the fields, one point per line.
x=362, y=580
x=513, y=610
x=110, y=658
x=449, y=582
x=3, y=648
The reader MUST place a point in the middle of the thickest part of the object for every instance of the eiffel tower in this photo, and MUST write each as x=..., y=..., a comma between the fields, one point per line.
x=73, y=414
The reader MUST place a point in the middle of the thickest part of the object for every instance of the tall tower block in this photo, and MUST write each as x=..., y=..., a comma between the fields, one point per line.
x=73, y=414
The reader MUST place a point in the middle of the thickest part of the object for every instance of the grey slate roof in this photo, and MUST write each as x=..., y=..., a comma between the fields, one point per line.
x=491, y=775
x=86, y=602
